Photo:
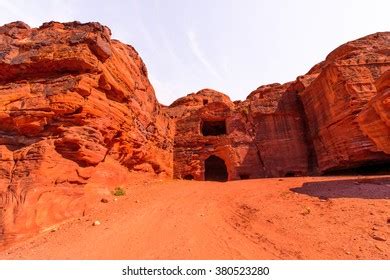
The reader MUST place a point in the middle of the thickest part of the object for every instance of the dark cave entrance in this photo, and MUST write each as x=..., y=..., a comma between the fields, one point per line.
x=213, y=128
x=215, y=169
x=289, y=174
x=189, y=177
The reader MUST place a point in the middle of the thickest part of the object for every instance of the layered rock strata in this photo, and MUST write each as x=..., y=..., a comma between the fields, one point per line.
x=77, y=112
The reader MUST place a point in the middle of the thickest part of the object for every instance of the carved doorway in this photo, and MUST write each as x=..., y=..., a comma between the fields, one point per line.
x=215, y=169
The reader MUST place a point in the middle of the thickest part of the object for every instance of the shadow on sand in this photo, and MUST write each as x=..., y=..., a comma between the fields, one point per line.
x=368, y=188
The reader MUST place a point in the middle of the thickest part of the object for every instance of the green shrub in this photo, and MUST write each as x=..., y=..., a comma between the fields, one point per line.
x=119, y=192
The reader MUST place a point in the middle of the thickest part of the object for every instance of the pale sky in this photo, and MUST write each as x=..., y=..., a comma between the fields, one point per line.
x=233, y=46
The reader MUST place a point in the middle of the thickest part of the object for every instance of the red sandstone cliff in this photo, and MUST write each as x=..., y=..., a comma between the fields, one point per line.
x=77, y=111
x=374, y=119
x=347, y=105
x=276, y=115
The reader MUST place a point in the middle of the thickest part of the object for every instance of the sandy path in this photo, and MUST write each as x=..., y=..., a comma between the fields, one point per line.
x=251, y=219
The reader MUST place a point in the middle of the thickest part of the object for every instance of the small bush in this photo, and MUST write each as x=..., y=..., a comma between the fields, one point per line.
x=306, y=211
x=119, y=192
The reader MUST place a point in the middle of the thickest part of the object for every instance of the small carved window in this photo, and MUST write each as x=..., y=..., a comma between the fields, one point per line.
x=289, y=174
x=189, y=177
x=244, y=176
x=213, y=128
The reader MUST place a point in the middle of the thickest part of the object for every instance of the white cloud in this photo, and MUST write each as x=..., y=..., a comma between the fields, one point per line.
x=200, y=56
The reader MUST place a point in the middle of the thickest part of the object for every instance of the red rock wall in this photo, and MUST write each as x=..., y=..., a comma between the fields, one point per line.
x=77, y=112
x=345, y=113
x=374, y=119
x=265, y=137
x=191, y=148
x=277, y=118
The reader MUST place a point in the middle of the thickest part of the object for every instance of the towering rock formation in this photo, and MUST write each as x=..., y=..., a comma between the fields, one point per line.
x=347, y=105
x=77, y=111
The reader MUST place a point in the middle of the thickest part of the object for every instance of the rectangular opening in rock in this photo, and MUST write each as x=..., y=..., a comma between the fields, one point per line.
x=213, y=128
x=244, y=176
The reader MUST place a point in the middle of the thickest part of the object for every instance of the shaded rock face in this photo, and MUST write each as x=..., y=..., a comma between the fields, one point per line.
x=336, y=117
x=77, y=112
x=276, y=115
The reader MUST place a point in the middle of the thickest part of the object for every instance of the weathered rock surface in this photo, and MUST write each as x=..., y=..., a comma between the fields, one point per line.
x=277, y=118
x=347, y=114
x=335, y=117
x=263, y=136
x=77, y=111
x=374, y=120
x=228, y=137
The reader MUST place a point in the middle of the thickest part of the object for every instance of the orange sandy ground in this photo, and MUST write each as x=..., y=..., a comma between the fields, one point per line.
x=288, y=218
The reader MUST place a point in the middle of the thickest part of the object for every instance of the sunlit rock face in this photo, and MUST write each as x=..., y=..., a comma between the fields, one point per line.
x=77, y=112
x=347, y=105
x=374, y=119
